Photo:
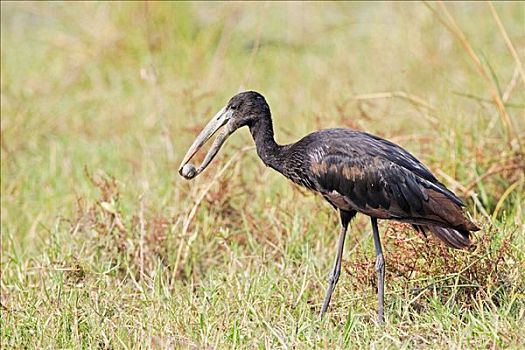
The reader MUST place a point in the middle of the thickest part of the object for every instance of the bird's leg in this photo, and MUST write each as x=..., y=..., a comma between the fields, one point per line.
x=380, y=269
x=334, y=277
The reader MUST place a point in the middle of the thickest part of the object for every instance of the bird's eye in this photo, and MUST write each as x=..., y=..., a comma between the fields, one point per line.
x=233, y=107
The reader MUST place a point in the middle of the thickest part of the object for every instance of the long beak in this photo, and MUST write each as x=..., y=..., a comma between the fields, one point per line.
x=219, y=120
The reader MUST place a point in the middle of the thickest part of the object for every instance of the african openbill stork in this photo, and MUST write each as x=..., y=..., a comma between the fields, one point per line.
x=354, y=171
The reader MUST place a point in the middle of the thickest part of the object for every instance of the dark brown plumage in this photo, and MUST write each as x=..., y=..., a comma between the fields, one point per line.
x=357, y=171
x=354, y=171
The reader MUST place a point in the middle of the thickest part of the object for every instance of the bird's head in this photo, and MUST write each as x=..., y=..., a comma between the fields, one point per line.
x=243, y=109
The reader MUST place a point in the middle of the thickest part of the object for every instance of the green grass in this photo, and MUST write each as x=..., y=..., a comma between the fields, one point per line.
x=100, y=246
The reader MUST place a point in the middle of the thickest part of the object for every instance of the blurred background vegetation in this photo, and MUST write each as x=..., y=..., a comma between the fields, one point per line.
x=103, y=244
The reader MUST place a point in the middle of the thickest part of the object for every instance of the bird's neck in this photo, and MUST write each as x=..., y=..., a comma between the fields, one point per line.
x=267, y=149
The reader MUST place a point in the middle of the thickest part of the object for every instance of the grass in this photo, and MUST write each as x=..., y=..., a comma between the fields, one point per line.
x=105, y=246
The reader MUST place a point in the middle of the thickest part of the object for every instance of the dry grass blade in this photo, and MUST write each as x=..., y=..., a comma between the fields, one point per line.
x=270, y=328
x=452, y=25
x=509, y=44
x=466, y=192
x=504, y=197
x=142, y=234
x=490, y=172
x=198, y=201
x=416, y=100
x=511, y=85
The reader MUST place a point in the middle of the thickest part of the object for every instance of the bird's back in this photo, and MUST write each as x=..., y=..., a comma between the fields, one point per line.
x=358, y=171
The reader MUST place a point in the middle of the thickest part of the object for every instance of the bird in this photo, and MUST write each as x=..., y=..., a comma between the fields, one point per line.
x=354, y=171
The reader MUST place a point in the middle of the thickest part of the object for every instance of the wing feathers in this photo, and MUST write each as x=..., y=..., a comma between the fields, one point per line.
x=453, y=238
x=380, y=188
x=449, y=212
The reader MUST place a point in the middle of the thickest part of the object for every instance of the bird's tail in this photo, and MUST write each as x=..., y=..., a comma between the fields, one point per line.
x=455, y=238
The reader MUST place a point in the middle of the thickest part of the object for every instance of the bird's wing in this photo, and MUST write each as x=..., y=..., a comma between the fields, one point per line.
x=381, y=188
x=376, y=146
x=357, y=144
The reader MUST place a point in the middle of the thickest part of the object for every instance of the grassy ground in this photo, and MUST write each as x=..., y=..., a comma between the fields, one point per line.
x=105, y=246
